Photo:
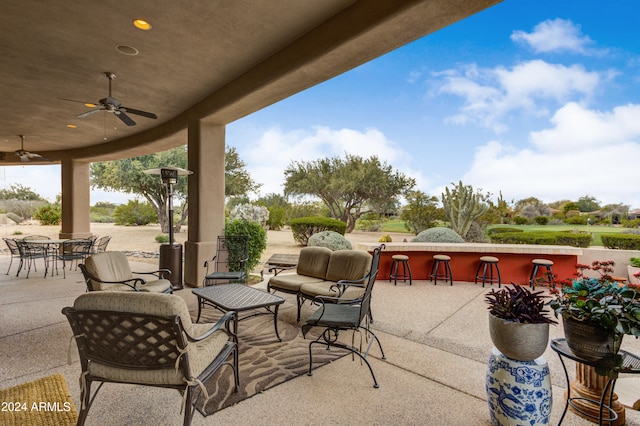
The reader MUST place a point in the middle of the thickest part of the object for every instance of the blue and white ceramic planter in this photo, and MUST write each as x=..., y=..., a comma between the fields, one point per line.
x=518, y=392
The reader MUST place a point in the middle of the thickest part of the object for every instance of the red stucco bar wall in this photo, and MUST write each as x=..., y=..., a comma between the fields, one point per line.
x=515, y=259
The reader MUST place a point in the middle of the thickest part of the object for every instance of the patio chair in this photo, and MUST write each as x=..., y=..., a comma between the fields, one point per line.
x=149, y=339
x=14, y=251
x=100, y=245
x=229, y=263
x=337, y=314
x=73, y=251
x=29, y=253
x=111, y=271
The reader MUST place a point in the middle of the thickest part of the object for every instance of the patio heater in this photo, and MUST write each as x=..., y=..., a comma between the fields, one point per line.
x=171, y=253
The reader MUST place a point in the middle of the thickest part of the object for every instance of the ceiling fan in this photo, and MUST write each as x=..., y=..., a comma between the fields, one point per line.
x=113, y=105
x=26, y=156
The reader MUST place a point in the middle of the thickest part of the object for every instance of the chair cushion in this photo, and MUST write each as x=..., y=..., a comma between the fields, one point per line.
x=157, y=286
x=324, y=289
x=291, y=282
x=336, y=316
x=348, y=265
x=108, y=266
x=313, y=262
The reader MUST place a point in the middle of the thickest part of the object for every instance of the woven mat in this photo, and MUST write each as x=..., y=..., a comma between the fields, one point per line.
x=45, y=401
x=264, y=361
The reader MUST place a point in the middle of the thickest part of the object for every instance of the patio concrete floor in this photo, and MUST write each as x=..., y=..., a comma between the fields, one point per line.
x=436, y=339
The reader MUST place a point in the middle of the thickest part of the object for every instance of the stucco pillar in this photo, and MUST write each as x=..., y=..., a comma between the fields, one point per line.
x=206, y=197
x=76, y=197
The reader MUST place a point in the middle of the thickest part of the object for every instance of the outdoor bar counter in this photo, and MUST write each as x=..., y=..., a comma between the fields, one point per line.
x=515, y=259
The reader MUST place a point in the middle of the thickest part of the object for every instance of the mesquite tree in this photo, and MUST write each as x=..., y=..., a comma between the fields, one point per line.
x=462, y=206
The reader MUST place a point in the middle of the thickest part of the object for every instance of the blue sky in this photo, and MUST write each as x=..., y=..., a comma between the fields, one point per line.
x=528, y=98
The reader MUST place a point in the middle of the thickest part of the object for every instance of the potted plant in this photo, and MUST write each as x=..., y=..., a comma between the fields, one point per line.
x=519, y=322
x=634, y=270
x=597, y=311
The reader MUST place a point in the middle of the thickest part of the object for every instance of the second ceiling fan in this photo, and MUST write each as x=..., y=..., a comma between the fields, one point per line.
x=113, y=105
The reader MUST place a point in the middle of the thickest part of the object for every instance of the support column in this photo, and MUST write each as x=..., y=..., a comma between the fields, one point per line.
x=76, y=198
x=206, y=197
x=588, y=384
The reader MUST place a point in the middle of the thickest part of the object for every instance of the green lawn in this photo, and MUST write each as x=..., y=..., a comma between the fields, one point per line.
x=394, y=225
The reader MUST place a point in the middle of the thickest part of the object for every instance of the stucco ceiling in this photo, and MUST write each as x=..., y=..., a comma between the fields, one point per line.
x=217, y=60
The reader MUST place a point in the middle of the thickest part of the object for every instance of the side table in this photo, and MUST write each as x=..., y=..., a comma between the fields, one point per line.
x=611, y=367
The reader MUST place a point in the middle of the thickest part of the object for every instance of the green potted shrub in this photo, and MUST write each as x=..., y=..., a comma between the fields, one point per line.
x=597, y=312
x=634, y=270
x=519, y=322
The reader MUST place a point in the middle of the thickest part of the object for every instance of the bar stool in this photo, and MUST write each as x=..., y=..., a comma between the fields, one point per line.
x=400, y=259
x=447, y=275
x=488, y=262
x=537, y=264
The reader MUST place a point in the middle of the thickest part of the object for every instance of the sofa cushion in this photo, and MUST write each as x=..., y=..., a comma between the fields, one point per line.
x=291, y=282
x=348, y=265
x=311, y=290
x=313, y=262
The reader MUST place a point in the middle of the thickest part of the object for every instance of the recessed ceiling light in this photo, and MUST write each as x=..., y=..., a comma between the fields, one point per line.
x=90, y=105
x=142, y=24
x=127, y=50
x=72, y=126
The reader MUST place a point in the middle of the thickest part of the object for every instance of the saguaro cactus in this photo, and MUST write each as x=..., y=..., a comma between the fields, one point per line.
x=462, y=206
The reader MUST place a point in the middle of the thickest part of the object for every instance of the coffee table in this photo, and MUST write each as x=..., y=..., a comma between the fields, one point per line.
x=239, y=298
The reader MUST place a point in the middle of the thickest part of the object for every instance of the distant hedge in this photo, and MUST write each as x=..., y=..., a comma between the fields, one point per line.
x=502, y=230
x=304, y=227
x=621, y=241
x=543, y=238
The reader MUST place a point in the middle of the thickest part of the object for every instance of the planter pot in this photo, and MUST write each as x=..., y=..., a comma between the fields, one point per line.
x=590, y=341
x=632, y=271
x=522, y=342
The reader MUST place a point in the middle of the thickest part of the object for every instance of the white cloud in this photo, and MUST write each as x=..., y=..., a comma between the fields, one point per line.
x=490, y=94
x=311, y=145
x=557, y=35
x=585, y=152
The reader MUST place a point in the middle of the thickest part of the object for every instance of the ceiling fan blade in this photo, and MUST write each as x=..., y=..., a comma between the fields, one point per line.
x=139, y=112
x=125, y=118
x=24, y=158
x=88, y=113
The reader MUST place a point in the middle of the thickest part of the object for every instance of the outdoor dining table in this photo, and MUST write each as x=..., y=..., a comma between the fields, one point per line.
x=51, y=249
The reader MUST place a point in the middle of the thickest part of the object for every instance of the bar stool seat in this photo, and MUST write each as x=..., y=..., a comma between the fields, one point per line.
x=400, y=259
x=487, y=264
x=541, y=263
x=446, y=274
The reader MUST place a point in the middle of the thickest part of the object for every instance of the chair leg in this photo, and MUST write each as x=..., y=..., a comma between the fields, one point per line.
x=534, y=272
x=188, y=406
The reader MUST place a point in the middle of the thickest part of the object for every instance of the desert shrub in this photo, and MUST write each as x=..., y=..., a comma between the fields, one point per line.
x=277, y=217
x=134, y=213
x=476, y=234
x=257, y=238
x=541, y=220
x=635, y=223
x=520, y=220
x=370, y=224
x=621, y=241
x=250, y=212
x=162, y=238
x=438, y=234
x=501, y=230
x=386, y=238
x=576, y=220
x=631, y=231
x=304, y=227
x=329, y=239
x=14, y=217
x=17, y=232
x=556, y=221
x=49, y=215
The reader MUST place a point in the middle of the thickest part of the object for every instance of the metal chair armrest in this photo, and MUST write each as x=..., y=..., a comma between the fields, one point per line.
x=223, y=323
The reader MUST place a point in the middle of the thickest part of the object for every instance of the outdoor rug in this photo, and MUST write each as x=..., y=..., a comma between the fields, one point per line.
x=43, y=402
x=264, y=361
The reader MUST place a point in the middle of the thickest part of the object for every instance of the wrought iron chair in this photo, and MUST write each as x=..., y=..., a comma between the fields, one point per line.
x=100, y=245
x=15, y=253
x=73, y=251
x=229, y=263
x=150, y=340
x=29, y=253
x=111, y=271
x=337, y=314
